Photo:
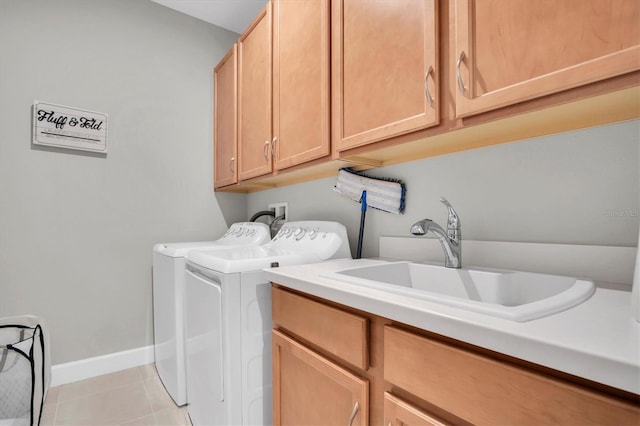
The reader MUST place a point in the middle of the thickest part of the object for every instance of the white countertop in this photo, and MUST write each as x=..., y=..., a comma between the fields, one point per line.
x=598, y=340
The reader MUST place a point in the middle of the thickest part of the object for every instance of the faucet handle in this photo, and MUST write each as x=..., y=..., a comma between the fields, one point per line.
x=453, y=221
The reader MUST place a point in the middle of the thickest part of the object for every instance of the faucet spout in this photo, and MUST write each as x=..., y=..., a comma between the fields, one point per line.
x=451, y=239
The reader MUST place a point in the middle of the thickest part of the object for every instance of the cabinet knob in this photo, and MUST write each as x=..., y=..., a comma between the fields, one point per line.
x=426, y=86
x=354, y=413
x=458, y=75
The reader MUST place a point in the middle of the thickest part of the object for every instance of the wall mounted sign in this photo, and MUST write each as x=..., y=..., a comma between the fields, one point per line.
x=66, y=127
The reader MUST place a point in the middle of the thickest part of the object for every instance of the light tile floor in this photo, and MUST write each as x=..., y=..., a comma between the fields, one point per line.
x=129, y=397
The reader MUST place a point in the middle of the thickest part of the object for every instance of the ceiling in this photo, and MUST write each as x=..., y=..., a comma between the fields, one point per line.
x=234, y=15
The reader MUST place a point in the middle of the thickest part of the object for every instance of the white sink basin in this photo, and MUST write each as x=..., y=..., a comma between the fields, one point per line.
x=517, y=296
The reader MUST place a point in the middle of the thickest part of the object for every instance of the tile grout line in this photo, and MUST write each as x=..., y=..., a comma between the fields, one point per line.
x=148, y=380
x=95, y=392
x=54, y=421
x=146, y=392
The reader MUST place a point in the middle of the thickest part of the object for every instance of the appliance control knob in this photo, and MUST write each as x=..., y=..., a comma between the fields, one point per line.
x=300, y=234
x=313, y=233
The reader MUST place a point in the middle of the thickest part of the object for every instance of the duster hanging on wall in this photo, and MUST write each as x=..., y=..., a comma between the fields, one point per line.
x=67, y=127
x=380, y=193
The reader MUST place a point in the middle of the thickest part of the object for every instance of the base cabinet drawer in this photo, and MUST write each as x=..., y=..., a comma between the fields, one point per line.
x=340, y=333
x=483, y=390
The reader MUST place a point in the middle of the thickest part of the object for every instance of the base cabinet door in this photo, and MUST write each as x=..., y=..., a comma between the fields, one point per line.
x=512, y=51
x=400, y=413
x=309, y=389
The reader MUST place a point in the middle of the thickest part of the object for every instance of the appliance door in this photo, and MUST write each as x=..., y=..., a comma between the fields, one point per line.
x=205, y=348
x=168, y=299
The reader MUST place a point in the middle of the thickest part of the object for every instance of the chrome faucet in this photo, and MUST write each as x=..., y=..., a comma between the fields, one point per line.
x=451, y=240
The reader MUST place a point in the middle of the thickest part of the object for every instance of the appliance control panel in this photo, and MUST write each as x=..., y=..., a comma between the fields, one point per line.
x=296, y=243
x=328, y=238
x=246, y=232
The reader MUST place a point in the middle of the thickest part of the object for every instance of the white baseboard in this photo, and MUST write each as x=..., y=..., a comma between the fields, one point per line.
x=99, y=365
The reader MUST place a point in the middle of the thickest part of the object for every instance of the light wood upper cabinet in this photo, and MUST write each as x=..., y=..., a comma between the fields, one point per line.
x=384, y=69
x=308, y=389
x=254, y=98
x=376, y=82
x=301, y=108
x=225, y=113
x=516, y=50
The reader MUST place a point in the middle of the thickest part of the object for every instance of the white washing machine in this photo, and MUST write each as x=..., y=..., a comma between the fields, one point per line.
x=229, y=321
x=168, y=300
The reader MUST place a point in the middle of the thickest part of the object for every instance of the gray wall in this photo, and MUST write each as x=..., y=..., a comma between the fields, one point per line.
x=579, y=187
x=76, y=230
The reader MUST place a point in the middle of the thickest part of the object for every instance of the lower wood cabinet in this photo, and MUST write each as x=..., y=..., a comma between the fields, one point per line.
x=308, y=389
x=401, y=413
x=483, y=390
x=342, y=334
x=333, y=364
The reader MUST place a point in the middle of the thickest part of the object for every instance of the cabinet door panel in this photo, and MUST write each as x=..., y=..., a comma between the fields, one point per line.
x=300, y=81
x=400, y=413
x=519, y=49
x=254, y=98
x=308, y=389
x=384, y=58
x=225, y=120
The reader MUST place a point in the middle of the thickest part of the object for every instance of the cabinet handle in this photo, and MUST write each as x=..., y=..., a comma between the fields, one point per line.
x=266, y=151
x=354, y=412
x=458, y=63
x=273, y=146
x=231, y=163
x=426, y=86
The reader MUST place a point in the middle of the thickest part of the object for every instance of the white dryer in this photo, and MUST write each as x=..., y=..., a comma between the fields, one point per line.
x=168, y=300
x=229, y=320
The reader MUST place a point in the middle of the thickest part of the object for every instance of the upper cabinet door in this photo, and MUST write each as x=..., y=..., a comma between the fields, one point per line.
x=384, y=69
x=301, y=108
x=512, y=51
x=254, y=98
x=225, y=111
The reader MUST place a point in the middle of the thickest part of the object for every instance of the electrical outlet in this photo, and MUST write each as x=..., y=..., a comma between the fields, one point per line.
x=280, y=209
